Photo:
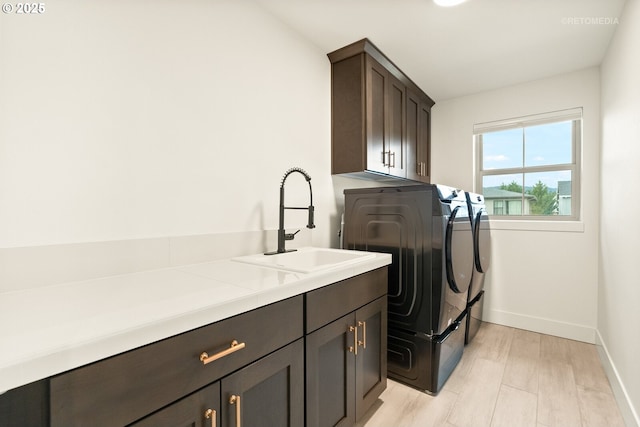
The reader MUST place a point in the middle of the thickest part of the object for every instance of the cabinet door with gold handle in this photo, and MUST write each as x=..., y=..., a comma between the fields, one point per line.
x=268, y=392
x=235, y=346
x=371, y=364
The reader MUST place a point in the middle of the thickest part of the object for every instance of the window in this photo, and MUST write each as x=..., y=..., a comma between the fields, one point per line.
x=529, y=167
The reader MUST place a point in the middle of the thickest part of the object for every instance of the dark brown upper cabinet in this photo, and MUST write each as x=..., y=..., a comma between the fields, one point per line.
x=380, y=119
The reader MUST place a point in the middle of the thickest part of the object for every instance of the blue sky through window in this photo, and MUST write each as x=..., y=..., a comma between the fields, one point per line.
x=540, y=145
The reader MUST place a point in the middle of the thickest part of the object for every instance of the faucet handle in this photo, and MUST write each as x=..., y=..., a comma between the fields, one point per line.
x=290, y=236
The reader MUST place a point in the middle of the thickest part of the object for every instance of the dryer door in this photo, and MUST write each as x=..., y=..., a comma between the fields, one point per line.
x=482, y=241
x=459, y=250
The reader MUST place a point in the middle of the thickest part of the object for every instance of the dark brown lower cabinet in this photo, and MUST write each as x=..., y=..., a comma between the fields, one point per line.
x=346, y=366
x=247, y=370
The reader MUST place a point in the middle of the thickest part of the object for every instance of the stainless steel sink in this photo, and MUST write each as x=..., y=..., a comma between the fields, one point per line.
x=307, y=260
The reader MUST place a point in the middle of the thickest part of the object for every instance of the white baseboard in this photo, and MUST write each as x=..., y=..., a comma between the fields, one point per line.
x=538, y=324
x=631, y=418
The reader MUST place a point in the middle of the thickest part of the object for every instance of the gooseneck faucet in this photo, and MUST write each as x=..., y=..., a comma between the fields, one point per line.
x=282, y=236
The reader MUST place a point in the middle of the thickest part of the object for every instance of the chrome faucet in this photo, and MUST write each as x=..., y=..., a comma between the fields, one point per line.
x=282, y=236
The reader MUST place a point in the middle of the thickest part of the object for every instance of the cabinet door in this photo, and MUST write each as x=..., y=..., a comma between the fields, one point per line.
x=377, y=82
x=396, y=111
x=385, y=121
x=371, y=362
x=331, y=374
x=267, y=393
x=200, y=409
x=417, y=138
x=424, y=141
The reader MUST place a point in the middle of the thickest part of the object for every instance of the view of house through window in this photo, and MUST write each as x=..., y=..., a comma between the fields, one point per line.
x=528, y=167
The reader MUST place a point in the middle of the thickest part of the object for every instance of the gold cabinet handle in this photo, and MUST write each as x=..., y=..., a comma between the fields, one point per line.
x=363, y=343
x=354, y=349
x=235, y=400
x=388, y=155
x=211, y=414
x=422, y=170
x=235, y=346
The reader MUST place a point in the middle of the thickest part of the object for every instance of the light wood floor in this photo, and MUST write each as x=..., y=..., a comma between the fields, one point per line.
x=509, y=378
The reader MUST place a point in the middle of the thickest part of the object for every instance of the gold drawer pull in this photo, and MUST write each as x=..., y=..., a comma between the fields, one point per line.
x=211, y=413
x=235, y=346
x=235, y=400
x=363, y=343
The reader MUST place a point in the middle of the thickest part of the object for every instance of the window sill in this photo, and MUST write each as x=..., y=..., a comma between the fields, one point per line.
x=529, y=225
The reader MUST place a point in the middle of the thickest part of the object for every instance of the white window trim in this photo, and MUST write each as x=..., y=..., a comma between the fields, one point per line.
x=532, y=120
x=497, y=223
x=572, y=223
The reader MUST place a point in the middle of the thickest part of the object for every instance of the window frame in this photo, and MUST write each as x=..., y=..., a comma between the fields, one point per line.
x=575, y=116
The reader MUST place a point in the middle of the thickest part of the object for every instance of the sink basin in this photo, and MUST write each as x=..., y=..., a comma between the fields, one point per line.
x=307, y=260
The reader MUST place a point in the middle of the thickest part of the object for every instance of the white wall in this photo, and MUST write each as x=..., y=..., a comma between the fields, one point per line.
x=151, y=118
x=619, y=293
x=542, y=278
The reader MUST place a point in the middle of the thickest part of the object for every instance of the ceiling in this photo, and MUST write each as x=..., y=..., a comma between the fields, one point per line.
x=476, y=46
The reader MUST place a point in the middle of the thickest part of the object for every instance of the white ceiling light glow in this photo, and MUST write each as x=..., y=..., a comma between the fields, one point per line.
x=448, y=3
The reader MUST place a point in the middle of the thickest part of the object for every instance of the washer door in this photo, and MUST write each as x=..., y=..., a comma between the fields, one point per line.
x=459, y=250
x=482, y=241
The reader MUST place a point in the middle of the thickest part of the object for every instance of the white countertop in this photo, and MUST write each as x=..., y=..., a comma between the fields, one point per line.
x=49, y=330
